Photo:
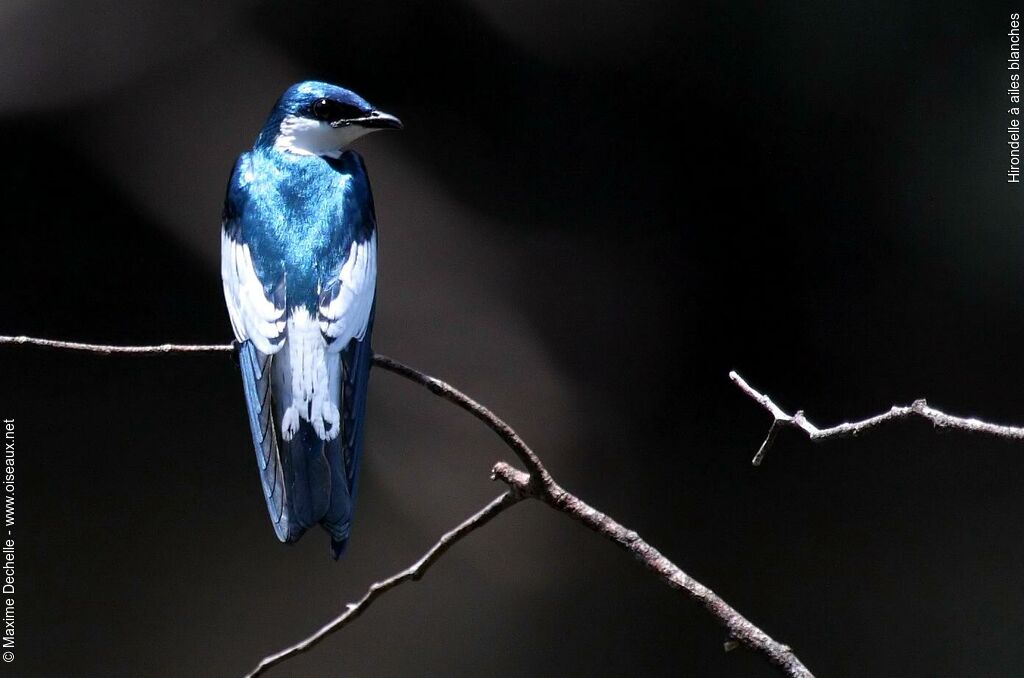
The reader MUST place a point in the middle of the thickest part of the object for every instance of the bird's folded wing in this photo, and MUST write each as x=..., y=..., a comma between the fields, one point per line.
x=256, y=371
x=356, y=360
x=255, y=314
x=347, y=299
x=345, y=314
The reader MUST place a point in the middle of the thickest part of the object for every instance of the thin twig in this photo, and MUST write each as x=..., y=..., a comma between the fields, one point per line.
x=919, y=408
x=412, y=573
x=536, y=483
x=108, y=350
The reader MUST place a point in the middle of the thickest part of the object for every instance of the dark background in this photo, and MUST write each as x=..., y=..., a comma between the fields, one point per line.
x=596, y=211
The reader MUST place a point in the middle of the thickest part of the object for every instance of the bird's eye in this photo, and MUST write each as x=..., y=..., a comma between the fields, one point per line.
x=331, y=110
x=322, y=109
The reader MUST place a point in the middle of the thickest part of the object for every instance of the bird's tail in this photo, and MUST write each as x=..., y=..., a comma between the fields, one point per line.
x=306, y=472
x=305, y=479
x=345, y=452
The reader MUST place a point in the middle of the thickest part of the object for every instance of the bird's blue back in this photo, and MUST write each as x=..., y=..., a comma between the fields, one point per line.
x=300, y=215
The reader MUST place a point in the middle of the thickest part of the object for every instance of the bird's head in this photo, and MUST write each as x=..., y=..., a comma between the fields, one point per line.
x=317, y=118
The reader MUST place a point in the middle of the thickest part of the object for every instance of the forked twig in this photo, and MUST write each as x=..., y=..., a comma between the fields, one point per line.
x=412, y=573
x=919, y=408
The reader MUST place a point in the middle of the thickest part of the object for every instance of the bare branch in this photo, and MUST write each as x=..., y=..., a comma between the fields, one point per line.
x=412, y=573
x=919, y=408
x=540, y=485
x=535, y=483
x=108, y=350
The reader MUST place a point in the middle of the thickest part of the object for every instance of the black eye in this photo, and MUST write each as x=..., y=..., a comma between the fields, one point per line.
x=323, y=108
x=332, y=111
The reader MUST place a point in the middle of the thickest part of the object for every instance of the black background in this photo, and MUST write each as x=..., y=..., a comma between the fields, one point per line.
x=596, y=211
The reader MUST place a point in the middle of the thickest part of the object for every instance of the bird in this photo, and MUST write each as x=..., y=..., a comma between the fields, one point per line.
x=299, y=271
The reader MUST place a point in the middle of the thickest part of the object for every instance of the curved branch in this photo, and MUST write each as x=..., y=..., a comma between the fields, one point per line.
x=412, y=573
x=536, y=483
x=919, y=408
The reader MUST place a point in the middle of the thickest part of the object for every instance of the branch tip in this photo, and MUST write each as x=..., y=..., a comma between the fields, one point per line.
x=919, y=408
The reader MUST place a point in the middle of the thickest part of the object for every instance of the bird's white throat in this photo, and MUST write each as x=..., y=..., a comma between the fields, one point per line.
x=304, y=136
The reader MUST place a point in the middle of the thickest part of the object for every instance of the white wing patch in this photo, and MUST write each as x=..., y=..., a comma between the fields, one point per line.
x=253, y=315
x=313, y=343
x=345, y=304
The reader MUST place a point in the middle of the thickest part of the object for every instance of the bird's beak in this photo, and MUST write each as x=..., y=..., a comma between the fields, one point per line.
x=375, y=120
x=381, y=120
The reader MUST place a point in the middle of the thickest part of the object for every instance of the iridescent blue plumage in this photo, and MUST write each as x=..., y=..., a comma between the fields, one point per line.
x=300, y=214
x=299, y=271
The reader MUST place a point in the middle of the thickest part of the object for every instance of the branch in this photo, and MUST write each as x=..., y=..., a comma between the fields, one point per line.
x=536, y=483
x=739, y=628
x=919, y=408
x=108, y=350
x=412, y=573
x=539, y=484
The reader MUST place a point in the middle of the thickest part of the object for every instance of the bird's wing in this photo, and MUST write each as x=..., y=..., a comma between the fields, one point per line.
x=258, y=320
x=255, y=298
x=344, y=452
x=256, y=378
x=347, y=299
x=346, y=322
x=345, y=313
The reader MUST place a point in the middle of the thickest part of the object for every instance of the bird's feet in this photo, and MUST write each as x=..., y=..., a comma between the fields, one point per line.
x=329, y=424
x=290, y=423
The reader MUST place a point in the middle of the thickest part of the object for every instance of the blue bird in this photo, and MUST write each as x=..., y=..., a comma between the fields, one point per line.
x=299, y=266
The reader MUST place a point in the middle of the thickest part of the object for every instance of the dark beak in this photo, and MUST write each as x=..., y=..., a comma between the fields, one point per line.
x=375, y=120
